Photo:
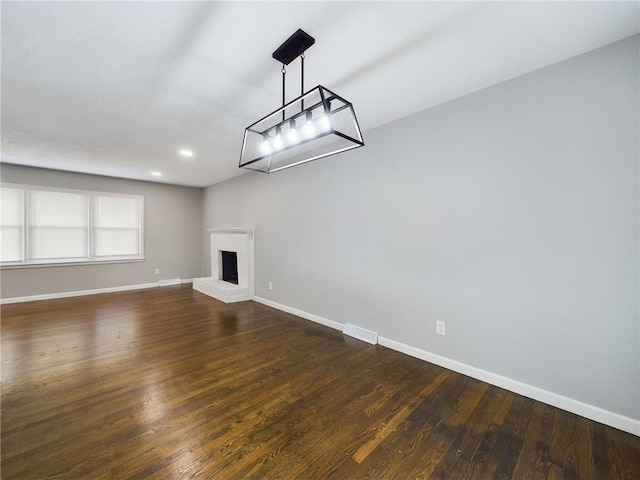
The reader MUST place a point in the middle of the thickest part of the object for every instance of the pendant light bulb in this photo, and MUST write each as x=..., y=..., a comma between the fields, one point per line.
x=292, y=135
x=265, y=146
x=309, y=129
x=277, y=140
x=324, y=122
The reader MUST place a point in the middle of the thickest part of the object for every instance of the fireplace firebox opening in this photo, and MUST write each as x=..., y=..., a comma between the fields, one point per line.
x=229, y=262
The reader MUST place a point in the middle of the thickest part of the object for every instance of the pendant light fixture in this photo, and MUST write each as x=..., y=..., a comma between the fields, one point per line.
x=314, y=125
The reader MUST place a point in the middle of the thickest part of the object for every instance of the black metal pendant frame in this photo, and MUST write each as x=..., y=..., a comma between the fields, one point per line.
x=327, y=105
x=330, y=118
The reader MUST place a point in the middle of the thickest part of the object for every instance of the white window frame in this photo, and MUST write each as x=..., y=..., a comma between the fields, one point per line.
x=91, y=259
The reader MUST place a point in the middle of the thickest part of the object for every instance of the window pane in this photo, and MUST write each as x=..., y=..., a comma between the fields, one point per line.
x=110, y=242
x=116, y=212
x=11, y=225
x=58, y=225
x=11, y=244
x=116, y=226
x=58, y=242
x=57, y=209
x=11, y=207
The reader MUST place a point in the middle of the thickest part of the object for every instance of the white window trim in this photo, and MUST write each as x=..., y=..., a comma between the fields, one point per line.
x=72, y=261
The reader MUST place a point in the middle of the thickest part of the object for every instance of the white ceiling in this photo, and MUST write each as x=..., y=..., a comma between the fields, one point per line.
x=117, y=88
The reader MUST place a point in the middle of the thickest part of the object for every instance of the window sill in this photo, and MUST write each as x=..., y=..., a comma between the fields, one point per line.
x=69, y=263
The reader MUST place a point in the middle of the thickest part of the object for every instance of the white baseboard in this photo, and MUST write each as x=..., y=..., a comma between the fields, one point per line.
x=550, y=398
x=586, y=410
x=79, y=293
x=300, y=313
x=95, y=291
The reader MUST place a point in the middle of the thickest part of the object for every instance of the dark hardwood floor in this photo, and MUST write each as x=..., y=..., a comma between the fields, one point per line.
x=169, y=383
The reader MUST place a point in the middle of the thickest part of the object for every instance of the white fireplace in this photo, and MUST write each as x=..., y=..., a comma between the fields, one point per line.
x=240, y=242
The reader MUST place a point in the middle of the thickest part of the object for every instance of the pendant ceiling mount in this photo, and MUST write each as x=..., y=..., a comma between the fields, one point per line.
x=293, y=47
x=314, y=125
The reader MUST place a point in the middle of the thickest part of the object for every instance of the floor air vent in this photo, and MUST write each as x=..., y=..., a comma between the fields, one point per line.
x=360, y=333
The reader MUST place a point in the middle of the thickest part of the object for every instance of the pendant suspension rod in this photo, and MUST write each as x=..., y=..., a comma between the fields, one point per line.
x=284, y=73
x=302, y=79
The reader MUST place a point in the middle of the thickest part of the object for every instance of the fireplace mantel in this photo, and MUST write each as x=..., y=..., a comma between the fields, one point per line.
x=239, y=240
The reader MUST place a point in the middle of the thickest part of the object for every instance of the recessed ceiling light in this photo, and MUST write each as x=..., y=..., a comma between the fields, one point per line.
x=155, y=173
x=186, y=153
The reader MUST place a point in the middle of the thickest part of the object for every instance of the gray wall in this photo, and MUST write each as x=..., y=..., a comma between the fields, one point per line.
x=511, y=214
x=172, y=222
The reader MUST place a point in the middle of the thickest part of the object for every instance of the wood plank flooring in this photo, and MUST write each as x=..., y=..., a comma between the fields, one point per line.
x=171, y=384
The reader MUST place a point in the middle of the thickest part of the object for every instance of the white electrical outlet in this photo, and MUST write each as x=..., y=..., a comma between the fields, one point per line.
x=270, y=285
x=157, y=271
x=440, y=330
